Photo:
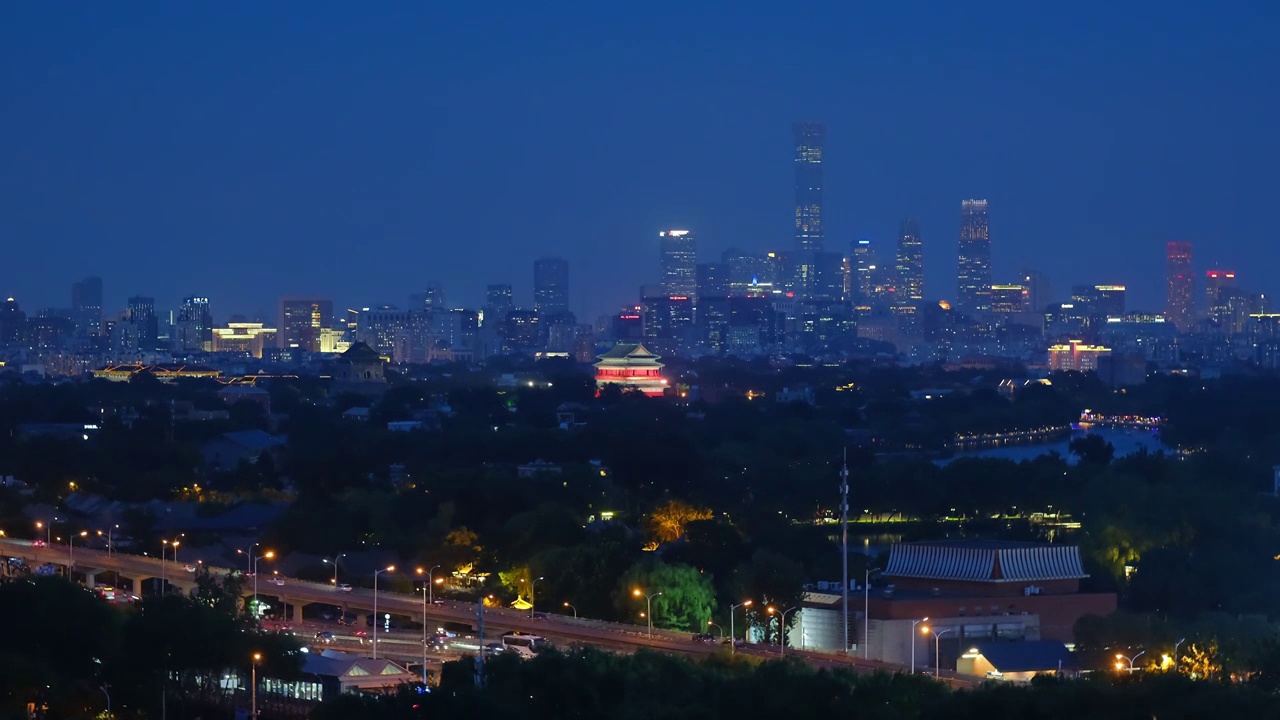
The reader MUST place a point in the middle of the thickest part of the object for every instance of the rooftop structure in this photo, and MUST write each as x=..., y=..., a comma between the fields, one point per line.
x=163, y=373
x=631, y=366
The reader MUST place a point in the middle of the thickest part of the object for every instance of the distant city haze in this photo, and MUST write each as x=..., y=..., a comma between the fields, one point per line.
x=250, y=152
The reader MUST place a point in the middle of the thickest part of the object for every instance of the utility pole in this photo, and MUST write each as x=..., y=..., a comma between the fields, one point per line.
x=480, y=655
x=844, y=543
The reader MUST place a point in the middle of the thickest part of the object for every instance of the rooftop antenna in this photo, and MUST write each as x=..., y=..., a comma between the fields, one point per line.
x=844, y=541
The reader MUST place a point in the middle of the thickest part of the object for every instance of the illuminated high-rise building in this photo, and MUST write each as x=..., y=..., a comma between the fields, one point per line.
x=678, y=263
x=141, y=326
x=863, y=265
x=194, y=326
x=498, y=301
x=1038, y=293
x=1008, y=299
x=809, y=139
x=1179, y=285
x=713, y=281
x=86, y=307
x=1218, y=287
x=551, y=286
x=301, y=320
x=973, y=267
x=910, y=261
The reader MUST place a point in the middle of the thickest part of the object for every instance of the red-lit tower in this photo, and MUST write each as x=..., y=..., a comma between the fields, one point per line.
x=1180, y=283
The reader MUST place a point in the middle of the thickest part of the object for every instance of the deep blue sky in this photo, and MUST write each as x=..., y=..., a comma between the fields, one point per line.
x=361, y=150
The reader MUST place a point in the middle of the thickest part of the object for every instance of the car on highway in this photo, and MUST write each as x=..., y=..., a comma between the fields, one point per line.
x=493, y=649
x=324, y=636
x=38, y=543
x=277, y=581
x=189, y=568
x=343, y=587
x=704, y=638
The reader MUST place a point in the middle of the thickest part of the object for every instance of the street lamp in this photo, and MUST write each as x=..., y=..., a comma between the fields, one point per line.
x=866, y=612
x=256, y=603
x=335, y=568
x=937, y=647
x=532, y=584
x=71, y=550
x=253, y=685
x=1175, y=652
x=431, y=579
x=648, y=606
x=914, y=623
x=1130, y=660
x=110, y=544
x=782, y=624
x=711, y=624
x=574, y=609
x=48, y=536
x=732, y=639
x=376, y=573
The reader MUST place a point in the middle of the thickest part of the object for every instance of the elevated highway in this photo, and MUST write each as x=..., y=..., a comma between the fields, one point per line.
x=148, y=572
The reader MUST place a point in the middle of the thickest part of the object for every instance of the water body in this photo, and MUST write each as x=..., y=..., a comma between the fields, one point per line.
x=1125, y=441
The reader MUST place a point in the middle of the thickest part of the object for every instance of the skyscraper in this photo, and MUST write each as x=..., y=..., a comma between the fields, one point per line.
x=713, y=280
x=910, y=261
x=551, y=286
x=1179, y=285
x=142, y=327
x=86, y=306
x=678, y=262
x=1038, y=293
x=863, y=266
x=498, y=301
x=809, y=138
x=194, y=327
x=301, y=320
x=973, y=267
x=1218, y=288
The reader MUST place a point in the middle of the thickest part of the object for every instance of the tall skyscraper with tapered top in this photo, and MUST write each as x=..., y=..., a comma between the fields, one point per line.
x=1180, y=284
x=973, y=265
x=910, y=261
x=809, y=137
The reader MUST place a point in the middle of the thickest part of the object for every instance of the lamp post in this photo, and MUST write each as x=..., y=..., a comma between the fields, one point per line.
x=110, y=544
x=376, y=573
x=532, y=584
x=782, y=625
x=335, y=568
x=256, y=603
x=648, y=605
x=253, y=685
x=866, y=612
x=714, y=625
x=574, y=609
x=431, y=581
x=71, y=550
x=732, y=639
x=1130, y=660
x=103, y=688
x=1175, y=652
x=937, y=648
x=914, y=623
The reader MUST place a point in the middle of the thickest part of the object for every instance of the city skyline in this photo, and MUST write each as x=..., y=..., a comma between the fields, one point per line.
x=163, y=159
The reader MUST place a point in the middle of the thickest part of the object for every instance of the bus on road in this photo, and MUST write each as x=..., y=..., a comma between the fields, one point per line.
x=523, y=644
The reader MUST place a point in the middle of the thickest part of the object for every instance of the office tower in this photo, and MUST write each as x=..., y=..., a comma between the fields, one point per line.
x=1038, y=293
x=13, y=323
x=301, y=321
x=551, y=286
x=809, y=138
x=910, y=261
x=828, y=277
x=1076, y=356
x=678, y=263
x=1218, y=288
x=863, y=265
x=194, y=326
x=668, y=318
x=498, y=301
x=973, y=267
x=141, y=331
x=1008, y=299
x=713, y=281
x=1108, y=300
x=433, y=297
x=86, y=306
x=1179, y=283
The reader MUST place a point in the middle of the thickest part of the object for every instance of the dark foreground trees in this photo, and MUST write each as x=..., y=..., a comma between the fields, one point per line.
x=590, y=684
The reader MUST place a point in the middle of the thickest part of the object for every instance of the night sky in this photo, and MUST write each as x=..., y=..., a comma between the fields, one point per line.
x=361, y=150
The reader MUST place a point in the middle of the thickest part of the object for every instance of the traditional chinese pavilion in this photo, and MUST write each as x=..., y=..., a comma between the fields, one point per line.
x=631, y=366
